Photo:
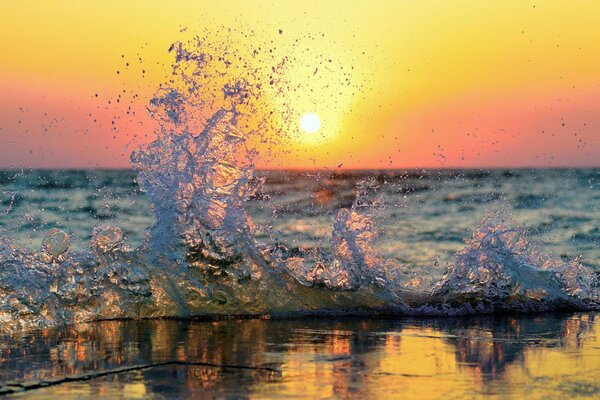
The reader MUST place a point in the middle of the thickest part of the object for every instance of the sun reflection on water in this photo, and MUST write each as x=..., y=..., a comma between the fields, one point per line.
x=317, y=358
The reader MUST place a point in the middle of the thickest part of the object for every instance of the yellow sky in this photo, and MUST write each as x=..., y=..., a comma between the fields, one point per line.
x=508, y=70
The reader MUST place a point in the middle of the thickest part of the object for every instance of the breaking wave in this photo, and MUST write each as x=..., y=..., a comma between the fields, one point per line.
x=201, y=257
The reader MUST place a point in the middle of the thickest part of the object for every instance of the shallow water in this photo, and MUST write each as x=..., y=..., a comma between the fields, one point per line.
x=541, y=356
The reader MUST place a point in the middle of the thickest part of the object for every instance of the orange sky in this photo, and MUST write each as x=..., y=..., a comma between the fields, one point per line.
x=433, y=83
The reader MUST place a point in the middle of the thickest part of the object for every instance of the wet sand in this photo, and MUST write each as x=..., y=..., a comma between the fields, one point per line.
x=540, y=356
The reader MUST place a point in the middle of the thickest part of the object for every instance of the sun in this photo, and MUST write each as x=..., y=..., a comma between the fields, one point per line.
x=310, y=122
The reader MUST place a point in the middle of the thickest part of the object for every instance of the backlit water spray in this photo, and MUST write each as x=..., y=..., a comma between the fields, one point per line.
x=201, y=258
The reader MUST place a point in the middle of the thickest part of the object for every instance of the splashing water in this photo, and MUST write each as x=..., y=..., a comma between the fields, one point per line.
x=499, y=268
x=202, y=259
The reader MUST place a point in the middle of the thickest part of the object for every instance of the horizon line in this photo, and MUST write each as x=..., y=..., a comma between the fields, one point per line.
x=294, y=169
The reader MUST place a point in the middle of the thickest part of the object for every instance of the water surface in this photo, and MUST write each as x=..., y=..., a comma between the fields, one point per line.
x=541, y=356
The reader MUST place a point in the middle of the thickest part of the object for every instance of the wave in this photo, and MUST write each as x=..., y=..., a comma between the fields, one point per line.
x=201, y=257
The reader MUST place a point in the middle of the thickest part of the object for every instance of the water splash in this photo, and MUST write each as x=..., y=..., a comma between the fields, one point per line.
x=55, y=246
x=354, y=260
x=197, y=188
x=201, y=257
x=501, y=269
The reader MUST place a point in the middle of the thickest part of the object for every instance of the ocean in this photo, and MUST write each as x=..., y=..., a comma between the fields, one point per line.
x=425, y=216
x=194, y=274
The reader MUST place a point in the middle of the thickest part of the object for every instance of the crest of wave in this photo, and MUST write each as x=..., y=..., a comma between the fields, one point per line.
x=501, y=270
x=197, y=171
x=197, y=189
x=354, y=260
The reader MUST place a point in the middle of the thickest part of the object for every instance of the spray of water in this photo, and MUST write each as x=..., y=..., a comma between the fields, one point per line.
x=201, y=257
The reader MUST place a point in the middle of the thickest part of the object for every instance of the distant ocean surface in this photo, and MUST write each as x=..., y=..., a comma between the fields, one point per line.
x=424, y=217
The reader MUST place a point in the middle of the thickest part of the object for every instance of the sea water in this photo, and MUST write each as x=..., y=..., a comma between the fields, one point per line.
x=431, y=215
x=498, y=357
x=196, y=231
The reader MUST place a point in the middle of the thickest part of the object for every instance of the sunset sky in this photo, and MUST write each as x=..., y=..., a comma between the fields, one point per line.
x=432, y=83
